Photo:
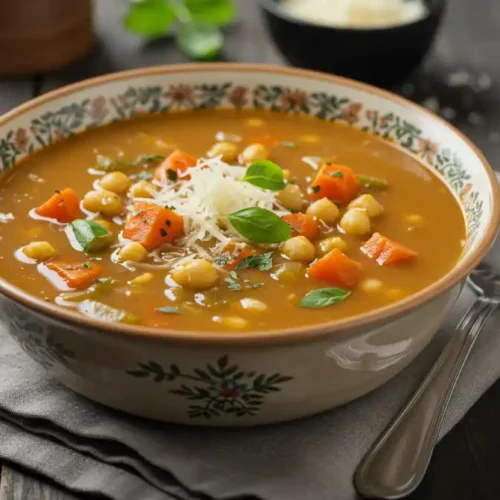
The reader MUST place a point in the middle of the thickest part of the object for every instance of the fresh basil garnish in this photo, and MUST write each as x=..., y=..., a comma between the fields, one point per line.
x=232, y=282
x=266, y=175
x=167, y=310
x=90, y=235
x=323, y=297
x=260, y=225
x=262, y=262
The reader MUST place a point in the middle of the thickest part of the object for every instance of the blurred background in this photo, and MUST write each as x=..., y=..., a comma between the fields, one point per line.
x=49, y=43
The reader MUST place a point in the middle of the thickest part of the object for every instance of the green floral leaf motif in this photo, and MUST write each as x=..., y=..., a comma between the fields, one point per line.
x=222, y=361
x=216, y=12
x=150, y=17
x=200, y=41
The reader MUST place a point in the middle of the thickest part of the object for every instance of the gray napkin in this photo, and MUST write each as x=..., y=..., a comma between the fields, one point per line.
x=91, y=449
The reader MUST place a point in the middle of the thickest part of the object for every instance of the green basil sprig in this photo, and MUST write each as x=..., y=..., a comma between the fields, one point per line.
x=266, y=175
x=90, y=235
x=260, y=225
x=323, y=297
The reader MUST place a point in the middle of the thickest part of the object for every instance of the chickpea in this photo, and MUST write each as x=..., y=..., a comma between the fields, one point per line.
x=252, y=305
x=371, y=285
x=328, y=244
x=105, y=202
x=291, y=197
x=254, y=152
x=369, y=203
x=299, y=248
x=104, y=223
x=133, y=252
x=233, y=322
x=288, y=272
x=287, y=175
x=227, y=150
x=325, y=210
x=195, y=273
x=143, y=189
x=39, y=251
x=116, y=182
x=355, y=221
x=141, y=280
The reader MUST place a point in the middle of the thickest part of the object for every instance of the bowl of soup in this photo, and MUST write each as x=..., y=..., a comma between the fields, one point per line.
x=231, y=244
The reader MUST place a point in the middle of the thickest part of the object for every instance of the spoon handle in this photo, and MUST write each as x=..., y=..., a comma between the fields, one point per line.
x=396, y=464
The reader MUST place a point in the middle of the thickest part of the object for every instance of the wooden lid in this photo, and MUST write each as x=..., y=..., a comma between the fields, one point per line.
x=41, y=35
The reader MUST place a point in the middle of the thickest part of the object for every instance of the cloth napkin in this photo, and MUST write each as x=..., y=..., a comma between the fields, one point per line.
x=91, y=449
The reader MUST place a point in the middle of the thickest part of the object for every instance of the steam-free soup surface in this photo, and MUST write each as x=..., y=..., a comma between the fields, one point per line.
x=155, y=222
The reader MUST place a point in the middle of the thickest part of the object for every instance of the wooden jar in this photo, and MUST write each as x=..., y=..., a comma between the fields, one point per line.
x=42, y=35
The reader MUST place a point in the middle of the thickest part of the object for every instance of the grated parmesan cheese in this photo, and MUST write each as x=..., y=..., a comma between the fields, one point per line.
x=214, y=190
x=357, y=13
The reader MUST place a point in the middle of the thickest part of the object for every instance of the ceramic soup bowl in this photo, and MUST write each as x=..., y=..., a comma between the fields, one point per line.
x=262, y=376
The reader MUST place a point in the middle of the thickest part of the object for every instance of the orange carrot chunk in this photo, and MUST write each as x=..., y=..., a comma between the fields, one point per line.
x=302, y=225
x=387, y=252
x=235, y=253
x=336, y=268
x=152, y=225
x=174, y=166
x=336, y=182
x=76, y=275
x=63, y=206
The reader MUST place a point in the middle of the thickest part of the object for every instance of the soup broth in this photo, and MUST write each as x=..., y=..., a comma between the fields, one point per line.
x=193, y=228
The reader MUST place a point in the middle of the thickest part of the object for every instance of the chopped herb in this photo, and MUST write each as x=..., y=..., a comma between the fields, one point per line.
x=151, y=159
x=57, y=191
x=293, y=228
x=96, y=259
x=338, y=173
x=86, y=265
x=139, y=213
x=262, y=262
x=144, y=175
x=168, y=222
x=167, y=310
x=163, y=232
x=232, y=282
x=222, y=260
x=172, y=174
x=293, y=211
x=256, y=285
x=144, y=219
x=315, y=189
x=287, y=144
x=373, y=182
x=323, y=297
x=170, y=207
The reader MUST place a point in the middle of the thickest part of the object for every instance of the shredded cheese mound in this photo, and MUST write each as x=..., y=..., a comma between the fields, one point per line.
x=213, y=191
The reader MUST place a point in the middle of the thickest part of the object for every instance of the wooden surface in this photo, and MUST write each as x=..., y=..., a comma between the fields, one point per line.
x=461, y=79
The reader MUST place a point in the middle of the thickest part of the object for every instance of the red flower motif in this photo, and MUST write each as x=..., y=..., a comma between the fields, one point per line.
x=21, y=140
x=427, y=149
x=370, y=114
x=350, y=113
x=58, y=134
x=238, y=96
x=181, y=94
x=465, y=191
x=98, y=108
x=293, y=99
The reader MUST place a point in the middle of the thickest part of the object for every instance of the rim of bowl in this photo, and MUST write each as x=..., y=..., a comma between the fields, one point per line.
x=437, y=7
x=337, y=330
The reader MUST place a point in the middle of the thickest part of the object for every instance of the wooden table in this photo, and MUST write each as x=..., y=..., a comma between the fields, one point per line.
x=461, y=78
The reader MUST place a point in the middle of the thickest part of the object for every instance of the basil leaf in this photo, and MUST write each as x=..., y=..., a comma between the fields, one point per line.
x=150, y=17
x=265, y=174
x=323, y=297
x=262, y=262
x=211, y=11
x=167, y=310
x=260, y=225
x=200, y=41
x=90, y=235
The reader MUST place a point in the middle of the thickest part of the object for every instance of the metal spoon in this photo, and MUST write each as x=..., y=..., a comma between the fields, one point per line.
x=397, y=462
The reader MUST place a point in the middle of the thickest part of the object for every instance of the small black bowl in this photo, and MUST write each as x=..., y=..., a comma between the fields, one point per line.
x=381, y=56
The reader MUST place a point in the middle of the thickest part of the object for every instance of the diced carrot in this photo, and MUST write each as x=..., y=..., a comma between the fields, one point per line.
x=236, y=253
x=336, y=182
x=175, y=166
x=387, y=252
x=76, y=275
x=151, y=225
x=336, y=268
x=64, y=206
x=305, y=224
